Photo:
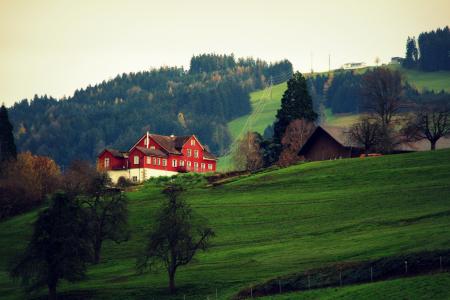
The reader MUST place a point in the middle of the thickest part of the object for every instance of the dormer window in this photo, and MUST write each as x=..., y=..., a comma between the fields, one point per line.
x=136, y=160
x=152, y=147
x=192, y=142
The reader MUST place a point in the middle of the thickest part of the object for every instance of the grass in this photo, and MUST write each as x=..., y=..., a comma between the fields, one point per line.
x=421, y=287
x=274, y=223
x=436, y=81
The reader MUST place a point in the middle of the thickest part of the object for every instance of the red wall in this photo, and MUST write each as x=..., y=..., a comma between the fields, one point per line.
x=115, y=163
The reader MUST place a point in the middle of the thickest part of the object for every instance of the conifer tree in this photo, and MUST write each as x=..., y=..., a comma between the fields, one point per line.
x=295, y=104
x=7, y=147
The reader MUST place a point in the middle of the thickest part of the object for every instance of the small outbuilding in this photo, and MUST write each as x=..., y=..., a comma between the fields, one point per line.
x=328, y=143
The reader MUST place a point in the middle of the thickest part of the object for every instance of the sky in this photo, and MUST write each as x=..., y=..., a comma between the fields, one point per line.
x=54, y=47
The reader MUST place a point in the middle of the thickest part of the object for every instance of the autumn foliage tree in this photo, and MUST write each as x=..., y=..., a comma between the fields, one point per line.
x=26, y=182
x=248, y=154
x=293, y=139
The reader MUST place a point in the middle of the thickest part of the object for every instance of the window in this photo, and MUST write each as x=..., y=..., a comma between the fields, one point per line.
x=149, y=161
x=154, y=160
x=196, y=153
x=164, y=162
x=210, y=167
x=181, y=163
x=188, y=152
x=134, y=178
x=174, y=163
x=203, y=166
x=195, y=165
x=136, y=160
x=152, y=147
x=189, y=164
x=106, y=162
x=192, y=142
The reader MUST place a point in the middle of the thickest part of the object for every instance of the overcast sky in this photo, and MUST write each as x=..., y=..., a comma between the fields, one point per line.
x=54, y=47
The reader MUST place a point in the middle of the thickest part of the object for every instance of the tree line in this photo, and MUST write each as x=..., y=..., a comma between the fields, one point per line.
x=431, y=51
x=167, y=100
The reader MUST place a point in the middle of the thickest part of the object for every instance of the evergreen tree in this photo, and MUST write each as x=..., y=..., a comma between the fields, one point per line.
x=59, y=247
x=295, y=104
x=7, y=147
x=412, y=54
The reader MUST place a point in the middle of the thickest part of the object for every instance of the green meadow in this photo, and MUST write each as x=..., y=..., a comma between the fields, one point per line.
x=274, y=223
x=421, y=287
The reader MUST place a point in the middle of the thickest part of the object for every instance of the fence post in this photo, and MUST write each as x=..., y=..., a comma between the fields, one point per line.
x=371, y=273
x=406, y=267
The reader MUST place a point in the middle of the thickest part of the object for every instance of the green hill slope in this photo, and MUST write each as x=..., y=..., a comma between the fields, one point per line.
x=277, y=222
x=259, y=121
x=421, y=287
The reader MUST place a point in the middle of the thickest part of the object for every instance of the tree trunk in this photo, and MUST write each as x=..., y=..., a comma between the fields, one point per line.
x=97, y=250
x=52, y=291
x=172, y=281
x=433, y=145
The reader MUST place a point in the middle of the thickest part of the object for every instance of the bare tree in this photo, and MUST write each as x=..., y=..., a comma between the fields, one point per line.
x=429, y=122
x=248, y=154
x=365, y=133
x=177, y=235
x=382, y=90
x=293, y=139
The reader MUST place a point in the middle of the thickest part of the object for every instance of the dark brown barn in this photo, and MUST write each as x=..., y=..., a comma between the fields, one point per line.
x=329, y=143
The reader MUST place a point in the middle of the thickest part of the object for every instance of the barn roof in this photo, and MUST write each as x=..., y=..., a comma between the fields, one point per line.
x=338, y=134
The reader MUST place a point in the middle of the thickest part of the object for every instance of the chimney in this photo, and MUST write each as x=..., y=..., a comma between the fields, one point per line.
x=148, y=140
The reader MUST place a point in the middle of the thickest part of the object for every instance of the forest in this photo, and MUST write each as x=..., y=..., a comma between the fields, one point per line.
x=168, y=100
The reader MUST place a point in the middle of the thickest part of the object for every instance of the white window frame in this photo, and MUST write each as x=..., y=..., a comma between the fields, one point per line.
x=149, y=160
x=195, y=165
x=202, y=165
x=136, y=159
x=196, y=153
x=159, y=161
x=188, y=164
x=192, y=142
x=134, y=178
x=210, y=166
x=106, y=162
x=154, y=161
x=181, y=163
x=174, y=163
x=189, y=153
x=152, y=147
x=164, y=162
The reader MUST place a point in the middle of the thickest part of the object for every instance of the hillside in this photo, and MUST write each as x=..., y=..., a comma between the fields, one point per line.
x=277, y=222
x=256, y=121
x=421, y=287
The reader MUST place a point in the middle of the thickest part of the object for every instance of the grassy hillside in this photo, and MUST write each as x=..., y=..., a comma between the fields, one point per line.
x=277, y=222
x=421, y=287
x=259, y=121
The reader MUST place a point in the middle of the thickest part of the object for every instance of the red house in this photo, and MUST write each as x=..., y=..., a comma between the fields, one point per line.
x=157, y=155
